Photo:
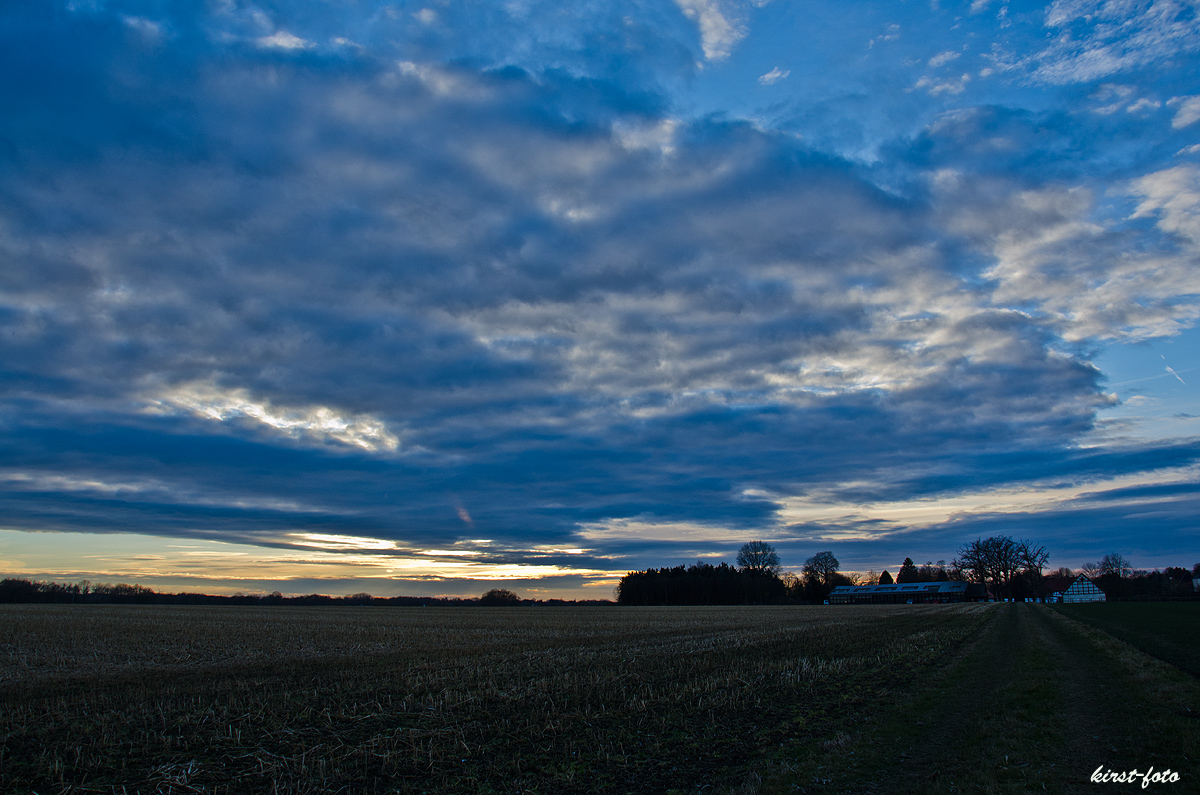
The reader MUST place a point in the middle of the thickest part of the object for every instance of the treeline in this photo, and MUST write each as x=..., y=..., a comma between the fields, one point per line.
x=700, y=584
x=756, y=579
x=1170, y=582
x=1004, y=567
x=19, y=591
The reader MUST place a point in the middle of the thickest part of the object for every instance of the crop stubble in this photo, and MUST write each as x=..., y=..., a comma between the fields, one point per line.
x=552, y=699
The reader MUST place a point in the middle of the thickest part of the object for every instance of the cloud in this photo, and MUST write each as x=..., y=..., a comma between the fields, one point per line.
x=385, y=299
x=283, y=40
x=892, y=34
x=316, y=423
x=1097, y=38
x=720, y=31
x=941, y=59
x=936, y=88
x=773, y=76
x=1188, y=112
x=1173, y=197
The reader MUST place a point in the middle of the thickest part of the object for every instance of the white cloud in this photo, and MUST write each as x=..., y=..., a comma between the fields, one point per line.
x=1088, y=280
x=773, y=76
x=719, y=32
x=944, y=58
x=877, y=520
x=443, y=82
x=1143, y=105
x=1173, y=195
x=1188, y=113
x=892, y=33
x=636, y=136
x=312, y=423
x=939, y=87
x=282, y=40
x=1117, y=35
x=151, y=31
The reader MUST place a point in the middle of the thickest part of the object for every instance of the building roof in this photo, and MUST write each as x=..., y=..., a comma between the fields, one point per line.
x=951, y=586
x=1083, y=583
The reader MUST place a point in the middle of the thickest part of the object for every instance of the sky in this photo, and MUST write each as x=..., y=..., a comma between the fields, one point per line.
x=426, y=297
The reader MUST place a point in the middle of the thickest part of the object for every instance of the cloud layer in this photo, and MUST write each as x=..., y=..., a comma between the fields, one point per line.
x=373, y=273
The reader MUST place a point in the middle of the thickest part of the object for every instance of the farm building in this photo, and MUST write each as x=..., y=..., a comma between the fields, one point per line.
x=914, y=592
x=1083, y=590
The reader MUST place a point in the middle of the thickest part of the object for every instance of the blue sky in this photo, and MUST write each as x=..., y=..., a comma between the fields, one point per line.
x=423, y=297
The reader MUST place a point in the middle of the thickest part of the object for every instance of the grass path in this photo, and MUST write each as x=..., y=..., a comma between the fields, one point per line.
x=1034, y=704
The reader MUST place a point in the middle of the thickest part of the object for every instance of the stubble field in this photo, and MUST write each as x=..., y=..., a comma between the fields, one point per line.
x=550, y=699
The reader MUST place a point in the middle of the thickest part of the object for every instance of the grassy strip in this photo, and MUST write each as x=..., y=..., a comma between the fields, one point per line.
x=1169, y=631
x=1034, y=705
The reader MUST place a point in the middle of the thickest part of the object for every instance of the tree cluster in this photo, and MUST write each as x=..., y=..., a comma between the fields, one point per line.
x=818, y=577
x=700, y=584
x=1119, y=580
x=1008, y=568
x=499, y=597
x=755, y=580
x=14, y=591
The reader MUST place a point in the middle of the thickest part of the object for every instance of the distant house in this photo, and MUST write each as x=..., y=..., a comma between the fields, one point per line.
x=1083, y=590
x=906, y=593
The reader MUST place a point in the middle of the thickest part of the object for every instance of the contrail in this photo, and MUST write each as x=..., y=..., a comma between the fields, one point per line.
x=1172, y=371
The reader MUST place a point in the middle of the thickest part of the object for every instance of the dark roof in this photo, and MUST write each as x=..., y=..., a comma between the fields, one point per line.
x=1055, y=584
x=951, y=586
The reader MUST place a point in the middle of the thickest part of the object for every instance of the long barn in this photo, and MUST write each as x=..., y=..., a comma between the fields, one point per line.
x=906, y=593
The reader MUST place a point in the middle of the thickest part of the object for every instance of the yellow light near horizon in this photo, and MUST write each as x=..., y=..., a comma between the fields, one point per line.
x=187, y=564
x=327, y=541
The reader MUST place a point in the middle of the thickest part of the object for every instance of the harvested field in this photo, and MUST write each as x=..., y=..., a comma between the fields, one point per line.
x=539, y=699
x=413, y=700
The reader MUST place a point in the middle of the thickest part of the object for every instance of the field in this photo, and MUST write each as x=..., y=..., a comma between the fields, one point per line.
x=1168, y=630
x=1003, y=698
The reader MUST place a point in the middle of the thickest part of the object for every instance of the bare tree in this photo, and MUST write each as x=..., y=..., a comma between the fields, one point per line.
x=1001, y=563
x=758, y=557
x=821, y=568
x=1115, y=563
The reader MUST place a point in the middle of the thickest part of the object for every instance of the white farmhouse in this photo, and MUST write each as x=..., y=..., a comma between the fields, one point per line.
x=1083, y=590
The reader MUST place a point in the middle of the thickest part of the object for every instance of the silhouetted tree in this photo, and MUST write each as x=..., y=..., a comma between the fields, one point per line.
x=699, y=584
x=820, y=568
x=1115, y=563
x=886, y=579
x=908, y=571
x=499, y=597
x=931, y=572
x=1010, y=568
x=758, y=557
